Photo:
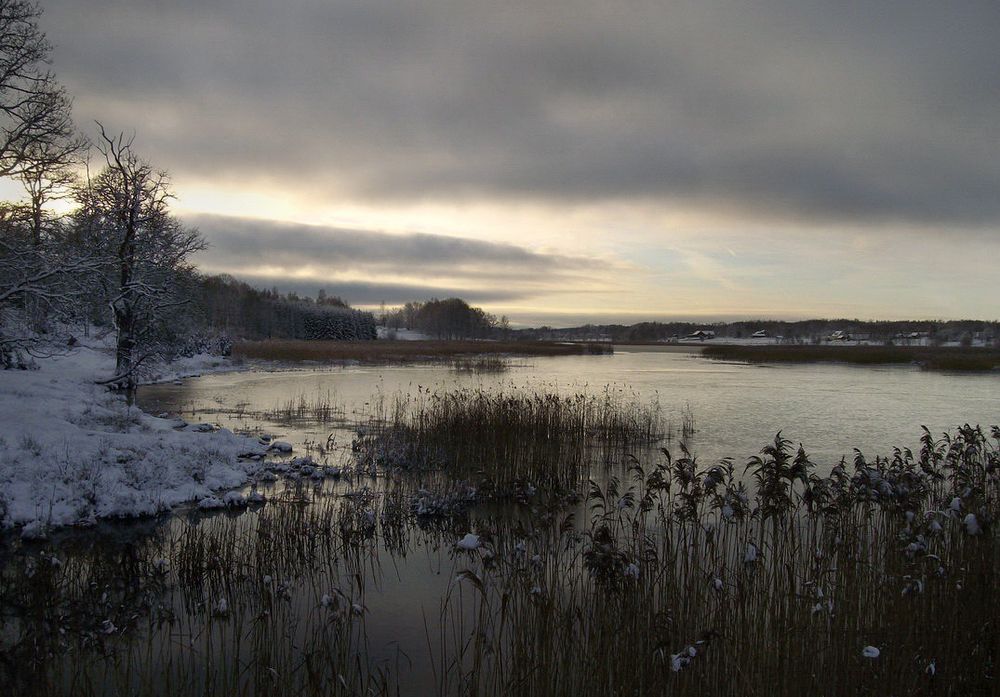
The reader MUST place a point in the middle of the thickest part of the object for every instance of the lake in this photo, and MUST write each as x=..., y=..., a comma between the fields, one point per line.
x=737, y=408
x=282, y=569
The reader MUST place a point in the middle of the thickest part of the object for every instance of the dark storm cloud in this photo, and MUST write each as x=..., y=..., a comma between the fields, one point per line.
x=240, y=243
x=859, y=111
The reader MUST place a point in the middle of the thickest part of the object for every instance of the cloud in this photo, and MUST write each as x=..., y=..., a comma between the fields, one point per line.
x=359, y=293
x=366, y=266
x=794, y=108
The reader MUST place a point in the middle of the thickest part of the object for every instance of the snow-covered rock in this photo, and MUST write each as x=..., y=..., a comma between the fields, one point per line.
x=211, y=503
x=35, y=530
x=234, y=499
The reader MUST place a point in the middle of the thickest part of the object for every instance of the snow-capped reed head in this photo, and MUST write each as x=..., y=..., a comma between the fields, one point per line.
x=683, y=658
x=972, y=524
x=469, y=543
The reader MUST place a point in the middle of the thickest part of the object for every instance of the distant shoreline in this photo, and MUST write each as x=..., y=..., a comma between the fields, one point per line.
x=386, y=351
x=950, y=358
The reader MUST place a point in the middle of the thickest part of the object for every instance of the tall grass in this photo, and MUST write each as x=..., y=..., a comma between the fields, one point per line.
x=321, y=408
x=271, y=603
x=506, y=437
x=487, y=363
x=683, y=583
x=669, y=578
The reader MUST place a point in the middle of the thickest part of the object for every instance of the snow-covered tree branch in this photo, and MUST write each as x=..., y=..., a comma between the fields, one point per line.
x=124, y=213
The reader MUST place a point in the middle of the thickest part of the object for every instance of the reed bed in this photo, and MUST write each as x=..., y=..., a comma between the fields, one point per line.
x=506, y=439
x=669, y=577
x=877, y=579
x=951, y=358
x=385, y=351
x=488, y=363
x=269, y=603
x=319, y=408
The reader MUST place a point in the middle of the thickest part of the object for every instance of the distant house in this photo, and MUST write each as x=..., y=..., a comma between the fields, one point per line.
x=839, y=335
x=700, y=335
x=760, y=334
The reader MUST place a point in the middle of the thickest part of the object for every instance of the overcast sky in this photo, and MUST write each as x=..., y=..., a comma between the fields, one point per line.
x=559, y=161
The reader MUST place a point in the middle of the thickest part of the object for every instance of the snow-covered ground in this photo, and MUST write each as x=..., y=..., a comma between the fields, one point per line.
x=72, y=452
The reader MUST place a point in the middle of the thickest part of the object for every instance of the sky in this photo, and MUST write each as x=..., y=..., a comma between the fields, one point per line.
x=564, y=162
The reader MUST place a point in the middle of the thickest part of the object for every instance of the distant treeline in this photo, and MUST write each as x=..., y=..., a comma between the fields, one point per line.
x=452, y=318
x=239, y=310
x=806, y=331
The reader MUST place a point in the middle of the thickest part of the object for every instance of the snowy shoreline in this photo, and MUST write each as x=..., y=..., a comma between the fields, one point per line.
x=72, y=452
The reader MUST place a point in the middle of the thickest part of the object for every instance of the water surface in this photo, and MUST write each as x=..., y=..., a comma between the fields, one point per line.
x=737, y=408
x=829, y=408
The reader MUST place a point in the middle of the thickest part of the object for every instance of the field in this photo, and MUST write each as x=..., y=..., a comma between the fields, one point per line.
x=928, y=358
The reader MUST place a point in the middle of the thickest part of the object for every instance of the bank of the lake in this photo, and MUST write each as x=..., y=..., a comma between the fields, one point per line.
x=385, y=351
x=948, y=358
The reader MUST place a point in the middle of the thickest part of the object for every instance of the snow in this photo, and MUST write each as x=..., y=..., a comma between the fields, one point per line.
x=972, y=524
x=210, y=503
x=469, y=543
x=72, y=452
x=401, y=334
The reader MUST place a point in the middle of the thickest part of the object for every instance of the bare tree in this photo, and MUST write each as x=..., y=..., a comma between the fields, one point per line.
x=39, y=276
x=46, y=281
x=128, y=217
x=34, y=108
x=49, y=174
